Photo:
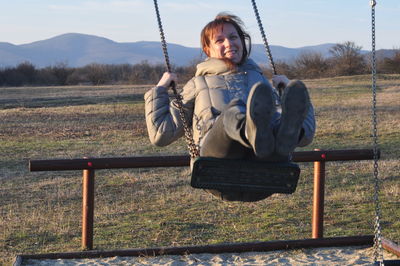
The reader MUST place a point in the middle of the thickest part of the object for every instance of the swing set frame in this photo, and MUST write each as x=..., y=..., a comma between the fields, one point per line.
x=319, y=158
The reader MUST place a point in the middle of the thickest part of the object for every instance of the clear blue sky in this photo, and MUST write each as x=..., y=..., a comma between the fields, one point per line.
x=290, y=23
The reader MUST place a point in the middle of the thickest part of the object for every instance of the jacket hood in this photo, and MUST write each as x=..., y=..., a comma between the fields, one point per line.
x=215, y=66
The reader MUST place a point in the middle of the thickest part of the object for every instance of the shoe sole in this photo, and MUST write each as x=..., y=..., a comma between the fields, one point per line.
x=261, y=109
x=295, y=105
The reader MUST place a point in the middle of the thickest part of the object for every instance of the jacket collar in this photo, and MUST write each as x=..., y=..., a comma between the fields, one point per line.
x=215, y=66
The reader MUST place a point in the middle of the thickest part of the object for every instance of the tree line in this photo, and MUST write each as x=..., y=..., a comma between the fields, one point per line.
x=346, y=59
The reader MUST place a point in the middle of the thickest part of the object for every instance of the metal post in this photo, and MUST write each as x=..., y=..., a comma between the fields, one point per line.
x=318, y=200
x=87, y=209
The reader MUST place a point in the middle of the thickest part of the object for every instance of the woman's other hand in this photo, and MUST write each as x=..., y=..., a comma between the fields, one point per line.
x=166, y=79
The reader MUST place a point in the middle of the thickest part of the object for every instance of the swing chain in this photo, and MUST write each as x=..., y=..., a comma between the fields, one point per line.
x=378, y=251
x=280, y=86
x=268, y=50
x=193, y=148
x=162, y=36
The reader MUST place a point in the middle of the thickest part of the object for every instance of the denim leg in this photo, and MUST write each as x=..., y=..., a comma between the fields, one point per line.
x=218, y=144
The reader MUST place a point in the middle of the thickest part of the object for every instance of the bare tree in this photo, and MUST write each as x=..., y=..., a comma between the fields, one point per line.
x=347, y=59
x=97, y=73
x=311, y=65
x=61, y=73
x=391, y=65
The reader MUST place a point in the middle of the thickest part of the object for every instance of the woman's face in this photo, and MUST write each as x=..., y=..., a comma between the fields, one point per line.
x=226, y=43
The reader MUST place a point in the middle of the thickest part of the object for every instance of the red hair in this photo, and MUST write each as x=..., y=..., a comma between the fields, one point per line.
x=212, y=27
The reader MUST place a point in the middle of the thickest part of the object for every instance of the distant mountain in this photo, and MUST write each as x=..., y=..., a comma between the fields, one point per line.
x=77, y=50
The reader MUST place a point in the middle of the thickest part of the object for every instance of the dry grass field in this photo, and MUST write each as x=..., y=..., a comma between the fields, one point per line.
x=40, y=212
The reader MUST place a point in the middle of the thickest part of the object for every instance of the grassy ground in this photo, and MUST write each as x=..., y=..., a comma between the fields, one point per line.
x=40, y=212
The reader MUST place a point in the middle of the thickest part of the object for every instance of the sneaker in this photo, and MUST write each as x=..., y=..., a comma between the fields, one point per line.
x=259, y=113
x=295, y=104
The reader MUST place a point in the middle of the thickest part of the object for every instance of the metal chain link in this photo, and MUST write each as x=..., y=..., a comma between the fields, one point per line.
x=280, y=87
x=193, y=148
x=260, y=26
x=378, y=250
x=162, y=35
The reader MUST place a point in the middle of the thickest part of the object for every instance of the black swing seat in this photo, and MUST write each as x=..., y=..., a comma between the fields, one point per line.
x=389, y=262
x=245, y=175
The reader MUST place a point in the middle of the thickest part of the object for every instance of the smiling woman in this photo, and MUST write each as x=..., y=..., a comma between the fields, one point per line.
x=221, y=39
x=234, y=114
x=226, y=44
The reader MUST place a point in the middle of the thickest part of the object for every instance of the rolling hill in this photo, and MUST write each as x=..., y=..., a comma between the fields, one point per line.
x=76, y=50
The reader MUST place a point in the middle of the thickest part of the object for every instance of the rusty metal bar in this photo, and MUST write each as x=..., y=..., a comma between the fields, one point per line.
x=182, y=160
x=334, y=155
x=109, y=163
x=87, y=209
x=218, y=248
x=318, y=200
x=391, y=246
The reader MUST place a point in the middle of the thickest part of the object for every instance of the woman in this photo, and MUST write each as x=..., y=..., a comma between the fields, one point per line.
x=233, y=110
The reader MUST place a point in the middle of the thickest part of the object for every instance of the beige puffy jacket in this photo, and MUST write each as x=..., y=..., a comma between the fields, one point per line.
x=204, y=97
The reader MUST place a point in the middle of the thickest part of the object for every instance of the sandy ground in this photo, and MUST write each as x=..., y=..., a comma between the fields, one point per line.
x=322, y=256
